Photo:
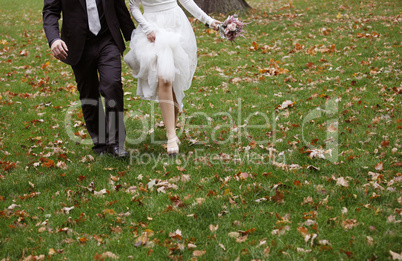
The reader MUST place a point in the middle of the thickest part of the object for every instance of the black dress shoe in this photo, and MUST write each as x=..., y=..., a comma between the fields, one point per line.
x=118, y=152
x=101, y=153
x=100, y=149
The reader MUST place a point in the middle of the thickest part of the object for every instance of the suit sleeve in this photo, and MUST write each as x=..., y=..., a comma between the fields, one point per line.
x=126, y=23
x=51, y=15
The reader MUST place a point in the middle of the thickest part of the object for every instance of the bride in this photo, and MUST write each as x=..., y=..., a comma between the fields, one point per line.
x=163, y=56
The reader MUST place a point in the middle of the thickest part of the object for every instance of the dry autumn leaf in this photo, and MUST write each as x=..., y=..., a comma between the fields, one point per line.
x=109, y=212
x=106, y=255
x=198, y=253
x=176, y=235
x=302, y=250
x=191, y=246
x=341, y=181
x=35, y=258
x=52, y=252
x=234, y=234
x=200, y=201
x=242, y=239
x=349, y=224
x=303, y=231
x=213, y=228
x=395, y=256
x=379, y=166
x=82, y=240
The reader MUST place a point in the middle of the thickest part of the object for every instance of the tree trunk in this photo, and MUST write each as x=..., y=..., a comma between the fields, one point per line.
x=222, y=6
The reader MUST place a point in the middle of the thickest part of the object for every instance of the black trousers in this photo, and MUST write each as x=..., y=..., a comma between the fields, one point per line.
x=97, y=74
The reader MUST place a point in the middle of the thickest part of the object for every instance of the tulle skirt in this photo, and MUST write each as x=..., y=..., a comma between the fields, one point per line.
x=172, y=57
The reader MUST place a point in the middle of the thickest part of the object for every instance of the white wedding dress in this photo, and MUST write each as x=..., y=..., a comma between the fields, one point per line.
x=173, y=55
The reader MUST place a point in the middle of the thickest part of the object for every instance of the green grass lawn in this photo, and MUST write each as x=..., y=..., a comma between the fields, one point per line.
x=291, y=145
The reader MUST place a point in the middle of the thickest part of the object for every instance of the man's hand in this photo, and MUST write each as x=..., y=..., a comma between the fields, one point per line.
x=59, y=49
x=151, y=36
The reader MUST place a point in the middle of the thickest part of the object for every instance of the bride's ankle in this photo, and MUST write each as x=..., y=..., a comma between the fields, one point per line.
x=171, y=137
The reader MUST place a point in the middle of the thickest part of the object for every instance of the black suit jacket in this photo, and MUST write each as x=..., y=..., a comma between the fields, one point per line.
x=75, y=24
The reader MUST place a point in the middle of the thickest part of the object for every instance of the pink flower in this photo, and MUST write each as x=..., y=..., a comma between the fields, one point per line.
x=232, y=27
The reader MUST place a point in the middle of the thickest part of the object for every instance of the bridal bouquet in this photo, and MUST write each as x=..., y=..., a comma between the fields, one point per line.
x=231, y=28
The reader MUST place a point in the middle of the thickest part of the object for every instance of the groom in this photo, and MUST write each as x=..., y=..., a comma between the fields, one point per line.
x=91, y=42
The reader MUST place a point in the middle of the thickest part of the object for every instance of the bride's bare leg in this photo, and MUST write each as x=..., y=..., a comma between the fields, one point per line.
x=166, y=102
